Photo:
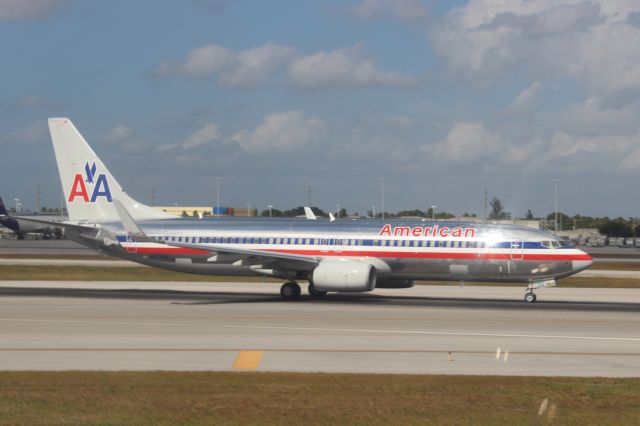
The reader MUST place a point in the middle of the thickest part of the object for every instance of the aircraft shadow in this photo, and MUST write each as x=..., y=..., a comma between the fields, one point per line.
x=221, y=298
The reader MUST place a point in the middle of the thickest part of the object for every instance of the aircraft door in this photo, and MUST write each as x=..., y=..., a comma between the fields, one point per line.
x=131, y=243
x=517, y=250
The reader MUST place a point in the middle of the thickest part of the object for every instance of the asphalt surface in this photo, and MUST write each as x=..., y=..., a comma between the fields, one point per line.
x=218, y=326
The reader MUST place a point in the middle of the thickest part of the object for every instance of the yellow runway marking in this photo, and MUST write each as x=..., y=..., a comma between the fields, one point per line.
x=248, y=360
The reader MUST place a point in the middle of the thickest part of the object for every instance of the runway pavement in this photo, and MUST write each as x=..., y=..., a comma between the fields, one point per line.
x=224, y=326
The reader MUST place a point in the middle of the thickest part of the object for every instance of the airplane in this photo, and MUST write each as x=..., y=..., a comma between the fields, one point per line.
x=333, y=256
x=23, y=227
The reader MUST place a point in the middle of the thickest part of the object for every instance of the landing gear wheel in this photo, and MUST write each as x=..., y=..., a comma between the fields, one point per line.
x=290, y=291
x=530, y=297
x=314, y=292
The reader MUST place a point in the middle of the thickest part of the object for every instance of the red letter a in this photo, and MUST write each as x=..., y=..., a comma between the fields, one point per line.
x=78, y=189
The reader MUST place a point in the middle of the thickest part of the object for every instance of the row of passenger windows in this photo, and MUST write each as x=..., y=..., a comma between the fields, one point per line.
x=324, y=242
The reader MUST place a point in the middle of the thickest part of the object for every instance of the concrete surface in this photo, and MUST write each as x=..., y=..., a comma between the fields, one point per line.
x=428, y=329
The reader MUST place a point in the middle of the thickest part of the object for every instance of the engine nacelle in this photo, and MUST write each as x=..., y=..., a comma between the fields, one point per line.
x=391, y=283
x=344, y=275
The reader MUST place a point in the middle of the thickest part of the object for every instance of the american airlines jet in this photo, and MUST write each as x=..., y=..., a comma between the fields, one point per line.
x=333, y=256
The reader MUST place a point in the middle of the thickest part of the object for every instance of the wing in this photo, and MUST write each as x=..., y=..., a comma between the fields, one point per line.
x=254, y=257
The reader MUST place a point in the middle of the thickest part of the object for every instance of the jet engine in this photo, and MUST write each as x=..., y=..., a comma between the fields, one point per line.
x=344, y=275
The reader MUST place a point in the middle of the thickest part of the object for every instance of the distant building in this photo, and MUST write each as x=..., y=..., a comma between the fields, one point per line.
x=243, y=211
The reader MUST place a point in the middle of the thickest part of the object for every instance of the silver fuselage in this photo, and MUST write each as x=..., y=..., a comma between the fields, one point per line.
x=409, y=250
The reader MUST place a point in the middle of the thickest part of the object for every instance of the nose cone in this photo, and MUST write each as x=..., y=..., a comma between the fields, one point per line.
x=582, y=263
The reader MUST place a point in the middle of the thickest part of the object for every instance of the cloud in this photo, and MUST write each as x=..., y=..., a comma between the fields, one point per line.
x=34, y=132
x=29, y=9
x=34, y=101
x=344, y=67
x=592, y=117
x=119, y=133
x=233, y=69
x=594, y=42
x=466, y=142
x=526, y=99
x=280, y=131
x=407, y=10
x=214, y=7
x=204, y=136
x=201, y=62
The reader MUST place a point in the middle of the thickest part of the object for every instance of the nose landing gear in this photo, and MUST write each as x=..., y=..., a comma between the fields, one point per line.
x=530, y=296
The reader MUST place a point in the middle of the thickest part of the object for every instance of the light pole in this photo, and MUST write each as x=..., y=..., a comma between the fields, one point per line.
x=433, y=212
x=338, y=211
x=555, y=182
x=382, y=181
x=218, y=196
x=373, y=211
x=248, y=208
x=270, y=210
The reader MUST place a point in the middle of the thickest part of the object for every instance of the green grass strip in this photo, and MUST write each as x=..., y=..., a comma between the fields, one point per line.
x=170, y=398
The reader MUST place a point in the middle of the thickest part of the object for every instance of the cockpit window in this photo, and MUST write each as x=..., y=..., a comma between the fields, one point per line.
x=550, y=244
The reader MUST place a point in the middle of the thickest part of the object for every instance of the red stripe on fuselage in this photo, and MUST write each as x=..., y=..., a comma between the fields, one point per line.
x=387, y=254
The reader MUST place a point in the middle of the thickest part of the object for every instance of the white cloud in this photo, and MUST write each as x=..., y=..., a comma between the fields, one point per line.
x=119, y=133
x=520, y=148
x=29, y=9
x=409, y=10
x=467, y=141
x=34, y=101
x=591, y=117
x=34, y=132
x=203, y=136
x=593, y=41
x=254, y=64
x=236, y=69
x=201, y=62
x=342, y=68
x=280, y=131
x=526, y=99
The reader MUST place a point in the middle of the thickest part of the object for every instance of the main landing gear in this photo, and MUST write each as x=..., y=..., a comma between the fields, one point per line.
x=291, y=290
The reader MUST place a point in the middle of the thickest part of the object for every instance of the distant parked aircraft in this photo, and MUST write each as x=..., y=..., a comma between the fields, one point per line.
x=21, y=227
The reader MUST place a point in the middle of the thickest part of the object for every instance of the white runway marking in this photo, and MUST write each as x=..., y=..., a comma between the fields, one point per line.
x=333, y=330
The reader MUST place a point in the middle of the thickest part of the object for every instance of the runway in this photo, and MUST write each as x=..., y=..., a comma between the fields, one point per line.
x=226, y=326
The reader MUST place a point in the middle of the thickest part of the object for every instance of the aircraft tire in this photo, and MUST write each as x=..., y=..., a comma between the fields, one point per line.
x=314, y=292
x=529, y=297
x=290, y=291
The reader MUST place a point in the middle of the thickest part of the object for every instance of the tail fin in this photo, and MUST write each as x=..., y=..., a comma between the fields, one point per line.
x=88, y=186
x=3, y=209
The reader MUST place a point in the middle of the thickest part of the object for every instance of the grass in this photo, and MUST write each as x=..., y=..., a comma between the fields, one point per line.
x=296, y=398
x=106, y=273
x=134, y=273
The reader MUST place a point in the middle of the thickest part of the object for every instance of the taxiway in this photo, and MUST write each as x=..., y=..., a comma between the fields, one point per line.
x=224, y=326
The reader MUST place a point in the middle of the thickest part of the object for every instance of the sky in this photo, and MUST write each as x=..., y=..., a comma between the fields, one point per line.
x=441, y=99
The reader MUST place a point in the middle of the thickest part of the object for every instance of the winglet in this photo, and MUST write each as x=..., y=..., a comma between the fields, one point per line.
x=128, y=222
x=309, y=213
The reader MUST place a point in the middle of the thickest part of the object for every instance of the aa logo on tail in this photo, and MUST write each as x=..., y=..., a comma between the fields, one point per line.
x=97, y=183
